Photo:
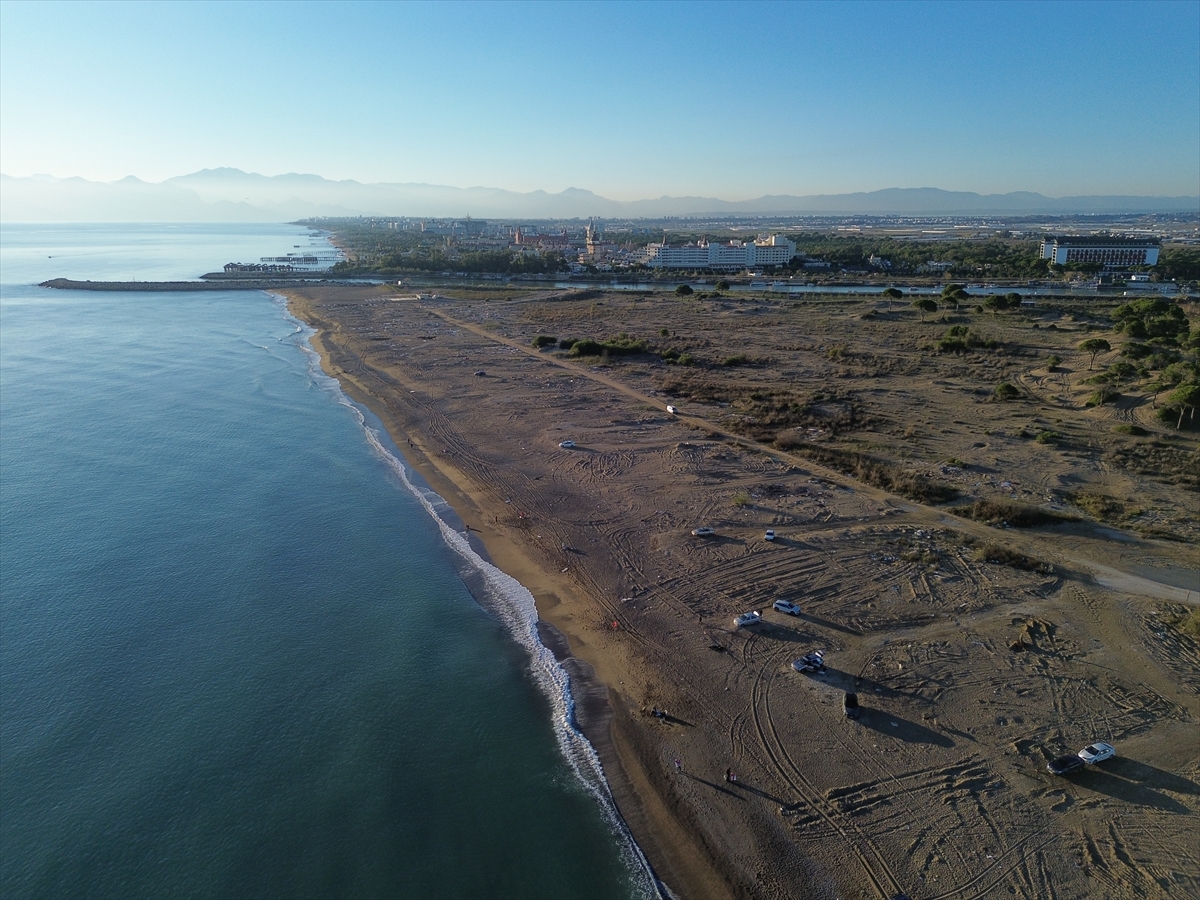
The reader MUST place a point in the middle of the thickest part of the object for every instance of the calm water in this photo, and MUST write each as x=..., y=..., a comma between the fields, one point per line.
x=237, y=657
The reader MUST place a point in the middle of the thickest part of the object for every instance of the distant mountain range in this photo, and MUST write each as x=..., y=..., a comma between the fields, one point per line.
x=231, y=195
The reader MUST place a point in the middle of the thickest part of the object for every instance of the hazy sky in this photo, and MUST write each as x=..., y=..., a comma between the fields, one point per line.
x=631, y=100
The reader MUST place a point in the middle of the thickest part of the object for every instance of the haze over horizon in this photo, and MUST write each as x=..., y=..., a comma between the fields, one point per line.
x=636, y=101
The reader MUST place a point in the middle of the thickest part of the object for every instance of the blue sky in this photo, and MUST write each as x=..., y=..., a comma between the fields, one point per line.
x=631, y=100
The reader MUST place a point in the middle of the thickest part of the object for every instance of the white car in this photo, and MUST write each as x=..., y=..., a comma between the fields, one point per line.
x=672, y=410
x=750, y=618
x=1098, y=752
x=786, y=606
x=770, y=535
x=566, y=445
x=703, y=531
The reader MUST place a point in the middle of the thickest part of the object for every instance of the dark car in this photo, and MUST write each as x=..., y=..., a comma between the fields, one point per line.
x=1063, y=765
x=850, y=705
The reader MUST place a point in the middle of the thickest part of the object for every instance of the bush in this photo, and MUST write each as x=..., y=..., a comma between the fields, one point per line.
x=879, y=473
x=1102, y=396
x=740, y=359
x=722, y=285
x=586, y=347
x=960, y=339
x=1047, y=437
x=687, y=360
x=1003, y=556
x=1008, y=512
x=1006, y=391
x=567, y=343
x=544, y=340
x=684, y=291
x=741, y=499
x=1052, y=362
x=1135, y=430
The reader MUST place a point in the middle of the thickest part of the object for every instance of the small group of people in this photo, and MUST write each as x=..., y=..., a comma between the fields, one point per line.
x=730, y=776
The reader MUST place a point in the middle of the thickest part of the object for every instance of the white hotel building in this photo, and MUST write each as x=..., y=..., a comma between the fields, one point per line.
x=772, y=251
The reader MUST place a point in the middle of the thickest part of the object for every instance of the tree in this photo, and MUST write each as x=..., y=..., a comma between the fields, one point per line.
x=925, y=305
x=893, y=293
x=1095, y=346
x=1187, y=398
x=722, y=285
x=684, y=290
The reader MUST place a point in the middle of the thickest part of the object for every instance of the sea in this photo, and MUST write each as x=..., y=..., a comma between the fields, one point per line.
x=238, y=655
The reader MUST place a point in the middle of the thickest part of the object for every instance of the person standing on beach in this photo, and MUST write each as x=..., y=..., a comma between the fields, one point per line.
x=679, y=765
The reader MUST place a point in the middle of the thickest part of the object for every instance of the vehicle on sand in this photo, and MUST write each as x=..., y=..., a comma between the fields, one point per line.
x=811, y=662
x=1064, y=765
x=1097, y=752
x=703, y=531
x=749, y=618
x=786, y=606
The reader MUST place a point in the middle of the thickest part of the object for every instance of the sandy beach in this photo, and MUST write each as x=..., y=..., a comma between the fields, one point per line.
x=977, y=652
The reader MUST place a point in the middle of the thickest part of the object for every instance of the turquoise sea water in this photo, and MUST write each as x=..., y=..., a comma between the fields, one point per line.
x=237, y=658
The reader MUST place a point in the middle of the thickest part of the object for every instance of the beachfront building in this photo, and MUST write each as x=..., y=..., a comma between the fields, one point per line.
x=734, y=255
x=1111, y=252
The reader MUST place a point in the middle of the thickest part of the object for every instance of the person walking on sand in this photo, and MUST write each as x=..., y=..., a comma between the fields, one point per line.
x=679, y=765
x=728, y=775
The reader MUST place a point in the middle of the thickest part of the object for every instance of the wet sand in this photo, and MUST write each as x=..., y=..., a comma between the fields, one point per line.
x=971, y=673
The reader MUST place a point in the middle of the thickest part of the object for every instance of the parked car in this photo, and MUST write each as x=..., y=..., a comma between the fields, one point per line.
x=750, y=618
x=850, y=705
x=1097, y=752
x=786, y=606
x=810, y=662
x=703, y=531
x=1063, y=765
x=672, y=410
x=566, y=445
x=770, y=535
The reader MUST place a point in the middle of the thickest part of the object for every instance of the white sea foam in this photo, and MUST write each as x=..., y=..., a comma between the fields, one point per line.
x=513, y=604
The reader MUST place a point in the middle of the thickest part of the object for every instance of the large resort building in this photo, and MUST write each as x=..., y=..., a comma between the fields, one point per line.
x=772, y=251
x=1111, y=252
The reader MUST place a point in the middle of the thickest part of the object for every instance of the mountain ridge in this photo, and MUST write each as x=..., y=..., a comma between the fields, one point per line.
x=221, y=193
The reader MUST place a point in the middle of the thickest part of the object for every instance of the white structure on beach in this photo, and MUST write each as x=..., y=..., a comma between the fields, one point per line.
x=772, y=251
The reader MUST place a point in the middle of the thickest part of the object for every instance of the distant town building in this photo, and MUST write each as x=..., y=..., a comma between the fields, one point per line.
x=772, y=251
x=1111, y=252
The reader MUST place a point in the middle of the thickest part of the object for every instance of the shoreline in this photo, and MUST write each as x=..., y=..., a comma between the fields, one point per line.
x=591, y=705
x=897, y=593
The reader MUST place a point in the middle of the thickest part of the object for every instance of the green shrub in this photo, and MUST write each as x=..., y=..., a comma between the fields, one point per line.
x=1052, y=362
x=1047, y=437
x=687, y=360
x=684, y=291
x=586, y=347
x=1102, y=396
x=1006, y=391
x=740, y=359
x=567, y=343
x=1135, y=430
x=544, y=340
